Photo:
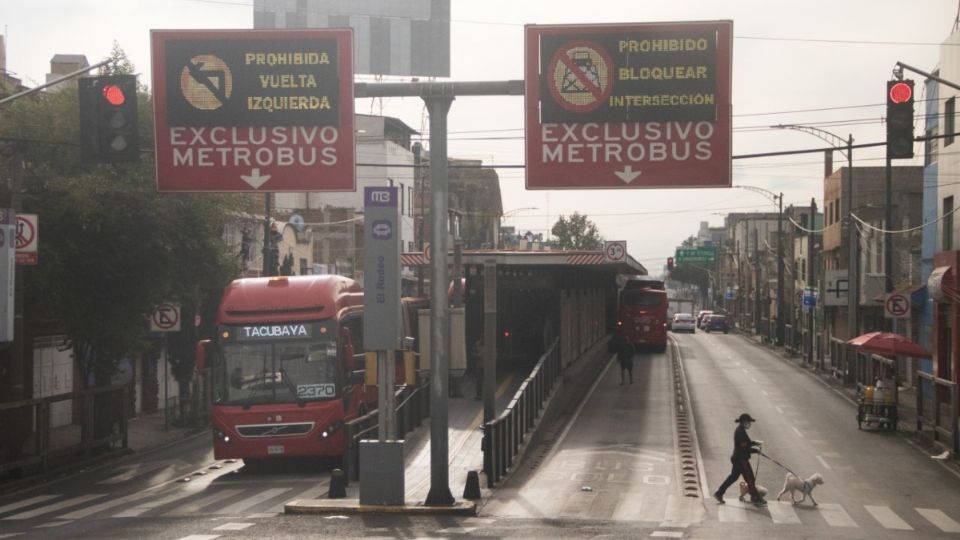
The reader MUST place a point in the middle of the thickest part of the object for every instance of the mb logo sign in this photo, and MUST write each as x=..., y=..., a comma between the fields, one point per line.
x=380, y=196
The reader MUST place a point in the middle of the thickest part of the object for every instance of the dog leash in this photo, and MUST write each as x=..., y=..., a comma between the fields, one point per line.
x=784, y=467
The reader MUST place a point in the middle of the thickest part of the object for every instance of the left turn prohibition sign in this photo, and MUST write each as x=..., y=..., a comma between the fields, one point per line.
x=580, y=76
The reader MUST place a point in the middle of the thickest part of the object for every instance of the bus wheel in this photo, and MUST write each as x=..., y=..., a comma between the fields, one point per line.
x=253, y=465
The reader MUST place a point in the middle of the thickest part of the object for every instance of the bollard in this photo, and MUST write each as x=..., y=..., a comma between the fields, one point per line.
x=471, y=491
x=338, y=485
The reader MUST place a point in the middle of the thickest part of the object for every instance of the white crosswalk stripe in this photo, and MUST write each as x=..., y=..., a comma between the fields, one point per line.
x=56, y=506
x=835, y=515
x=27, y=502
x=887, y=518
x=148, y=506
x=203, y=502
x=97, y=508
x=250, y=502
x=783, y=513
x=942, y=521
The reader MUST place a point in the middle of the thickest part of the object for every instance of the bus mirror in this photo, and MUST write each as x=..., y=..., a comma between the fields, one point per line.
x=200, y=354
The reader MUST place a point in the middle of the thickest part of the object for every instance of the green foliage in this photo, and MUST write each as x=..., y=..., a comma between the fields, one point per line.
x=577, y=232
x=110, y=246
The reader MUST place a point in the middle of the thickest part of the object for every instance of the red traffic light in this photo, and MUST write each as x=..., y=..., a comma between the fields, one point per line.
x=900, y=92
x=114, y=95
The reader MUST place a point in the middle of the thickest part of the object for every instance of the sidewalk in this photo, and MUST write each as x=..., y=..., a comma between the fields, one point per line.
x=906, y=405
x=147, y=431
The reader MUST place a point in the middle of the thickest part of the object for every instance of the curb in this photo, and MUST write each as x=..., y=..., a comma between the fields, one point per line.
x=353, y=506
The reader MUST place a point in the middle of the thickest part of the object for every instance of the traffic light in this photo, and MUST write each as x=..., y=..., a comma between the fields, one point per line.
x=108, y=119
x=899, y=119
x=669, y=263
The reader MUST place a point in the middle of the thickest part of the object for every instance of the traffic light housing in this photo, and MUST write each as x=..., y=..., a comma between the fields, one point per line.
x=669, y=263
x=108, y=119
x=900, y=119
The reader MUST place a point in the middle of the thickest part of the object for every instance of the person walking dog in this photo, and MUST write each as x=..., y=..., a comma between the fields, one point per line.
x=743, y=447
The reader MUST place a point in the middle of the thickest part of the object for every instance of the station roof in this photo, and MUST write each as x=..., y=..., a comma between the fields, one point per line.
x=581, y=259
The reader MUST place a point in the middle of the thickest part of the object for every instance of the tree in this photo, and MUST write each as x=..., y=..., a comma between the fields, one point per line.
x=577, y=232
x=111, y=247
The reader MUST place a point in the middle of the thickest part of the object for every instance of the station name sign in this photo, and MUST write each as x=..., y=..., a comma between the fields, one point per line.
x=241, y=110
x=628, y=106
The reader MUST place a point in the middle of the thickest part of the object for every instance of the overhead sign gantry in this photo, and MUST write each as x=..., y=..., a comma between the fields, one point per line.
x=628, y=105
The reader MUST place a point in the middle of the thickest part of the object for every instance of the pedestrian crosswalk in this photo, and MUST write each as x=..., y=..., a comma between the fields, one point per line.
x=838, y=515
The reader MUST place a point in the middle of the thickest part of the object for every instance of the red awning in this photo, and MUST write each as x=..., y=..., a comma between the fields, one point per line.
x=889, y=344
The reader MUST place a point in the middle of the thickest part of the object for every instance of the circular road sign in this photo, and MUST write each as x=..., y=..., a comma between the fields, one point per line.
x=166, y=318
x=580, y=76
x=615, y=251
x=26, y=233
x=897, y=305
x=206, y=82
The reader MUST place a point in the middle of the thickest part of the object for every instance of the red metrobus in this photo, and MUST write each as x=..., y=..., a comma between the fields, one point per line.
x=643, y=313
x=282, y=367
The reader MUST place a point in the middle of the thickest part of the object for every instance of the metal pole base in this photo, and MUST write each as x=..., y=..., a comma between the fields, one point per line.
x=439, y=496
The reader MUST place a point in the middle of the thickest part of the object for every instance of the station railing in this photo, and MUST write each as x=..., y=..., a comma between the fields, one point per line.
x=938, y=408
x=413, y=406
x=503, y=436
x=90, y=420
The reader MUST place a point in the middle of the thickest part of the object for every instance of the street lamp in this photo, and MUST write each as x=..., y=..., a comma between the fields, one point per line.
x=853, y=261
x=777, y=198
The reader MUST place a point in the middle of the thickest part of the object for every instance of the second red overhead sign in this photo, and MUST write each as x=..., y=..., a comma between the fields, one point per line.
x=628, y=106
x=242, y=110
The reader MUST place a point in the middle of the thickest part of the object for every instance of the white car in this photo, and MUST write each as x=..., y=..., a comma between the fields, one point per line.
x=684, y=322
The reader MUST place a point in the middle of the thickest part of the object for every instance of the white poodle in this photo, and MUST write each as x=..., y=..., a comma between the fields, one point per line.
x=794, y=484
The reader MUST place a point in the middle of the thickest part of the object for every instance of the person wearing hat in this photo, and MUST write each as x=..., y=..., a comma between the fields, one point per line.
x=743, y=447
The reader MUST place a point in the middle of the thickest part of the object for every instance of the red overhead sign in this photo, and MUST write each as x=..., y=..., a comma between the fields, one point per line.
x=254, y=110
x=628, y=105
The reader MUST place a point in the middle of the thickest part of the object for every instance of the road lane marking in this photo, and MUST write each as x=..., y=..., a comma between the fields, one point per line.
x=90, y=510
x=200, y=537
x=666, y=534
x=52, y=524
x=887, y=518
x=195, y=506
x=58, y=506
x=752, y=379
x=779, y=410
x=33, y=500
x=835, y=515
x=732, y=512
x=250, y=502
x=783, y=513
x=147, y=506
x=133, y=471
x=938, y=518
x=823, y=462
x=764, y=392
x=797, y=431
x=233, y=526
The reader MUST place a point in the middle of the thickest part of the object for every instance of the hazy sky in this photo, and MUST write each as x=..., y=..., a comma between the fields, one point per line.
x=815, y=62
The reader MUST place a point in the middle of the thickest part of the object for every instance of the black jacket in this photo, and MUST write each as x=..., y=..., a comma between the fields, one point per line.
x=742, y=445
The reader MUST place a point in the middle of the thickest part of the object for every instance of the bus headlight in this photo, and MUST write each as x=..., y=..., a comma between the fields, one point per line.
x=331, y=429
x=217, y=434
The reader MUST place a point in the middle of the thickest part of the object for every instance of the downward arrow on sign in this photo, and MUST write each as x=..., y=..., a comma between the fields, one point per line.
x=255, y=179
x=628, y=174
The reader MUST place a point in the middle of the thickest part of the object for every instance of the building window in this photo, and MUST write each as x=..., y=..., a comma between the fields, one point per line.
x=947, y=223
x=402, y=194
x=949, y=110
x=930, y=147
x=410, y=201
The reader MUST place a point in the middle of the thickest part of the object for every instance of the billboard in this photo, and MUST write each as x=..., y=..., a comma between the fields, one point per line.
x=242, y=110
x=628, y=105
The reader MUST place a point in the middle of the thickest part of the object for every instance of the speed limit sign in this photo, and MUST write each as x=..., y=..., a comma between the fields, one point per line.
x=615, y=250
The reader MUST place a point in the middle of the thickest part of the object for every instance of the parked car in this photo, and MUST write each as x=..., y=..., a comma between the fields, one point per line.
x=716, y=323
x=701, y=317
x=683, y=322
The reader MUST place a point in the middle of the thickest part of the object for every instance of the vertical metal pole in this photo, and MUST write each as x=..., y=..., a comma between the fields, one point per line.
x=418, y=181
x=489, y=341
x=811, y=267
x=756, y=269
x=780, y=303
x=267, y=238
x=853, y=263
x=166, y=378
x=888, y=238
x=439, y=493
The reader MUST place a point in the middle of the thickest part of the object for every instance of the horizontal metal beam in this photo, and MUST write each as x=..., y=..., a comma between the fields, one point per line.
x=438, y=89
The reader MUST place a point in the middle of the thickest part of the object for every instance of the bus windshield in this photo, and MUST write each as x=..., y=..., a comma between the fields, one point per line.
x=642, y=298
x=277, y=372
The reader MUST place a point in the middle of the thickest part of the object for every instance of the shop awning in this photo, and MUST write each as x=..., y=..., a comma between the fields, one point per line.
x=940, y=283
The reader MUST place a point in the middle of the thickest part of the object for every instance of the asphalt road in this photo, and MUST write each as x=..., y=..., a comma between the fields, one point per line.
x=609, y=467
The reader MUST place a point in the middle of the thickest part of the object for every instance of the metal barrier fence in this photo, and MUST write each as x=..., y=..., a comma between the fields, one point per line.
x=87, y=420
x=503, y=436
x=841, y=359
x=413, y=405
x=933, y=395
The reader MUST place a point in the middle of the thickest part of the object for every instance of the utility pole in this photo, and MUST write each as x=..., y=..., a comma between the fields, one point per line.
x=888, y=237
x=780, y=302
x=853, y=261
x=811, y=267
x=756, y=270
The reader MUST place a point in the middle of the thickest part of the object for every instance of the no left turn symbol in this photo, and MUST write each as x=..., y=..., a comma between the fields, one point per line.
x=580, y=76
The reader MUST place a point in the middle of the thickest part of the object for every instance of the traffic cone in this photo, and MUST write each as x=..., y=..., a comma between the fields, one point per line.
x=338, y=485
x=471, y=491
